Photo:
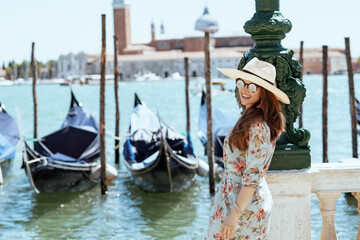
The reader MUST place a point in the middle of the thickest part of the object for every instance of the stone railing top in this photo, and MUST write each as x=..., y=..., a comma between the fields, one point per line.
x=350, y=163
x=336, y=177
x=321, y=177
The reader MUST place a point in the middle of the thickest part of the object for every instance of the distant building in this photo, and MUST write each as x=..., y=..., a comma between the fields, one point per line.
x=164, y=56
x=313, y=63
x=165, y=63
x=94, y=63
x=2, y=73
x=356, y=64
x=72, y=65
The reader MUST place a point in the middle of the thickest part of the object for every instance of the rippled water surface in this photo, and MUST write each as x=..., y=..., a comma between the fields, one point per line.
x=127, y=212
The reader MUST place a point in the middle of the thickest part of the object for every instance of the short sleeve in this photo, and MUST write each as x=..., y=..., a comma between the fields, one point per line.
x=258, y=159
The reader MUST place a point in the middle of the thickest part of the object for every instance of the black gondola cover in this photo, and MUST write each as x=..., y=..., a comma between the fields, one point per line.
x=76, y=140
x=65, y=160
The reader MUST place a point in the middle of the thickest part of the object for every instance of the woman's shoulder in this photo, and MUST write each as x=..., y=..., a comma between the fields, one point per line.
x=258, y=125
x=259, y=128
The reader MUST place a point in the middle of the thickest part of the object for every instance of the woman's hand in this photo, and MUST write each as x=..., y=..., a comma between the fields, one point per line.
x=228, y=227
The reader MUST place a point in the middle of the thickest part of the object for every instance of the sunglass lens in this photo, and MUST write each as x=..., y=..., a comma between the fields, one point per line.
x=252, y=88
x=240, y=84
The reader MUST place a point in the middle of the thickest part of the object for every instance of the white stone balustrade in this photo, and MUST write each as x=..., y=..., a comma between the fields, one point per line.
x=291, y=191
x=357, y=196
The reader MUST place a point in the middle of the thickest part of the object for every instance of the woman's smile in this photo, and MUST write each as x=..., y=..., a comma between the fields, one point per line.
x=248, y=98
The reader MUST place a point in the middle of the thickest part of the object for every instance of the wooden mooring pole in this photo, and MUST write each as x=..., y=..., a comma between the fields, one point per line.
x=117, y=108
x=102, y=109
x=301, y=60
x=210, y=144
x=352, y=98
x=187, y=99
x=34, y=76
x=325, y=105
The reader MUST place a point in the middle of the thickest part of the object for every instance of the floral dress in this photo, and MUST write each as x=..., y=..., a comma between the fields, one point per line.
x=245, y=168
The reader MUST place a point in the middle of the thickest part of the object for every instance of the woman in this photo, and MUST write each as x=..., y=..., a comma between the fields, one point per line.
x=242, y=204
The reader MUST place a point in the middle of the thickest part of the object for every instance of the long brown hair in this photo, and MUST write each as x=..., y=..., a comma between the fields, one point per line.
x=267, y=109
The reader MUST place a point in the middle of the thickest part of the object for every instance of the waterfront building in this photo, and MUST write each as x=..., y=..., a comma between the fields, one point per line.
x=164, y=55
x=72, y=65
x=93, y=65
x=2, y=73
x=165, y=63
x=313, y=60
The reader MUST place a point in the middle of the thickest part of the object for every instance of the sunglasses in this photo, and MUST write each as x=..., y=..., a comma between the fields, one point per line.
x=240, y=84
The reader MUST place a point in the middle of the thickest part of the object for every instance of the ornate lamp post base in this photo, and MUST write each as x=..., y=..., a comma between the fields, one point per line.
x=268, y=27
x=290, y=157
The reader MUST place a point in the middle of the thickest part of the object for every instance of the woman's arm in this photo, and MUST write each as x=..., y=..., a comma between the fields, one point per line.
x=244, y=197
x=229, y=225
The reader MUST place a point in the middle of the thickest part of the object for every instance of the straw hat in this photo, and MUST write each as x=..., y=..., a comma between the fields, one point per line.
x=259, y=72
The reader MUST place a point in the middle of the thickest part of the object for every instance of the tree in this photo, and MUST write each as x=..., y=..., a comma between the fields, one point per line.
x=9, y=70
x=50, y=65
x=25, y=69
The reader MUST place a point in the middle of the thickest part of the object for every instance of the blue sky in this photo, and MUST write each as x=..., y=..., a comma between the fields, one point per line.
x=63, y=26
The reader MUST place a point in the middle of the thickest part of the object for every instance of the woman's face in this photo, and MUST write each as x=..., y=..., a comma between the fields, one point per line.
x=248, y=98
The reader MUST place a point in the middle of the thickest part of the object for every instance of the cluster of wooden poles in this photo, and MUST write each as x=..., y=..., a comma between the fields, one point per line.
x=352, y=101
x=325, y=99
x=210, y=147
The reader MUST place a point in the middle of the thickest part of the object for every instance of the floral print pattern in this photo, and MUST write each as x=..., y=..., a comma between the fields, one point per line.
x=245, y=168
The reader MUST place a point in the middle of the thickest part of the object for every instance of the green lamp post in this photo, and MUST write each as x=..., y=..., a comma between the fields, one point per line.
x=268, y=27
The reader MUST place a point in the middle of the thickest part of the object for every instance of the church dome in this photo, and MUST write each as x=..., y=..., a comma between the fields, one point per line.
x=207, y=23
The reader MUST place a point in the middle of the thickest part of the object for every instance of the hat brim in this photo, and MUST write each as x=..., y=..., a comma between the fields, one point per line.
x=235, y=74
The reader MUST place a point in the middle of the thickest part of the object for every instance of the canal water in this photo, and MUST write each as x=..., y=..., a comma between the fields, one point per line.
x=126, y=212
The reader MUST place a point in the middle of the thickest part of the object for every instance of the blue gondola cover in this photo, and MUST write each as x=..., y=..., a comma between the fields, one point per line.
x=128, y=153
x=9, y=135
x=220, y=121
x=189, y=148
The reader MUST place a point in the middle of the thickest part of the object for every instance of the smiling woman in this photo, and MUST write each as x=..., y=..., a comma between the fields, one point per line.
x=243, y=202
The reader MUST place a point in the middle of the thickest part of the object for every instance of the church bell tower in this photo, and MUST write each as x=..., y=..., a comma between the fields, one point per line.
x=122, y=23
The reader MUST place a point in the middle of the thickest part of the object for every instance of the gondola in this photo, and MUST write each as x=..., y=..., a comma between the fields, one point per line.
x=9, y=137
x=159, y=158
x=222, y=125
x=67, y=159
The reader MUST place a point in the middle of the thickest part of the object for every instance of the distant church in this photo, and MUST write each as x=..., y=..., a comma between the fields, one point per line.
x=166, y=56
